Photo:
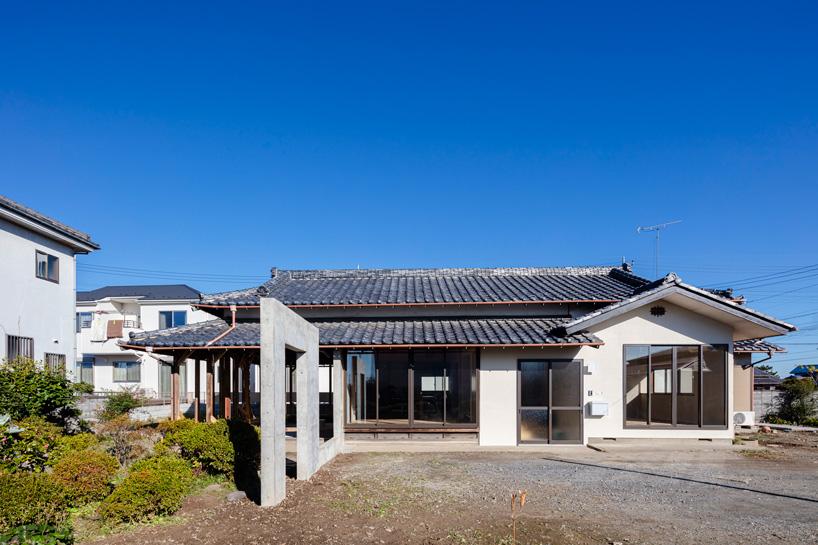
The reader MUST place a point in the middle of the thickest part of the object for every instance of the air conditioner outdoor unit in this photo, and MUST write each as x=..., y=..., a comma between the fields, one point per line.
x=744, y=418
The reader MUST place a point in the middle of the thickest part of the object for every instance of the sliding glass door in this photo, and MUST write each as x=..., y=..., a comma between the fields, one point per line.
x=550, y=401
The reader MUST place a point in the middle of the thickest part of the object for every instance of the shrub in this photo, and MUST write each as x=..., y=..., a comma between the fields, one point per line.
x=68, y=445
x=799, y=402
x=168, y=426
x=772, y=419
x=217, y=447
x=29, y=450
x=155, y=486
x=86, y=476
x=31, y=498
x=30, y=388
x=37, y=534
x=83, y=388
x=121, y=403
x=812, y=422
x=124, y=434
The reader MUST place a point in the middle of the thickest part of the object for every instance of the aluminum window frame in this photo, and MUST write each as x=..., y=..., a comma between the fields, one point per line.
x=674, y=417
x=48, y=263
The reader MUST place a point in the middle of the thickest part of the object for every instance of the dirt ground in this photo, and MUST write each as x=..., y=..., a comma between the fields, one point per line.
x=699, y=493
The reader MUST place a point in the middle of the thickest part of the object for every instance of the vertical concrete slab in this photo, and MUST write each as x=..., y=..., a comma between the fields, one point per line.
x=337, y=396
x=308, y=423
x=273, y=438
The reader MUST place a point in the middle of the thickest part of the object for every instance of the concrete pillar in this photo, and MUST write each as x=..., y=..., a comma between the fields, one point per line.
x=308, y=440
x=337, y=395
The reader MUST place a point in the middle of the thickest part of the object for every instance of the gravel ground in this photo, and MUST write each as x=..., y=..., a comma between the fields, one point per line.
x=664, y=494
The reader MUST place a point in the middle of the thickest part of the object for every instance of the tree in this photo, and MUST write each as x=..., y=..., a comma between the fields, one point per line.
x=799, y=401
x=767, y=369
x=31, y=388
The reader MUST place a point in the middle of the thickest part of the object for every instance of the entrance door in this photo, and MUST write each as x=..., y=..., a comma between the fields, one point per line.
x=549, y=394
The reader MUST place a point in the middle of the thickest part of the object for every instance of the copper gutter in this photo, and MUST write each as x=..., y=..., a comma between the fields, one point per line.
x=460, y=304
x=232, y=327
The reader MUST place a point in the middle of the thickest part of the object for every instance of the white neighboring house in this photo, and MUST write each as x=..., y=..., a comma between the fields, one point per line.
x=107, y=315
x=37, y=284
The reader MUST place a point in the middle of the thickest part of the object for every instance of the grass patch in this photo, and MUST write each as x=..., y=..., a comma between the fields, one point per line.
x=381, y=499
x=760, y=454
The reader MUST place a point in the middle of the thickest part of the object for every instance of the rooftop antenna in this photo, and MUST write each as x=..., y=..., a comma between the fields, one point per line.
x=656, y=242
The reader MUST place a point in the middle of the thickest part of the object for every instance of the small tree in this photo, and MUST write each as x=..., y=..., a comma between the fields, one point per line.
x=30, y=388
x=798, y=402
x=121, y=403
x=767, y=369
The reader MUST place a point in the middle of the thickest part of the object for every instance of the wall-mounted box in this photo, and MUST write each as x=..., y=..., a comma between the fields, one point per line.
x=598, y=408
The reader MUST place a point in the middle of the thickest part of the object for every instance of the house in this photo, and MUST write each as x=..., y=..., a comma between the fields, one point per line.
x=765, y=381
x=505, y=356
x=107, y=315
x=38, y=272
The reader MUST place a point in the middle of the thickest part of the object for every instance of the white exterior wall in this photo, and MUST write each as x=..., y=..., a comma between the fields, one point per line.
x=108, y=352
x=498, y=374
x=31, y=306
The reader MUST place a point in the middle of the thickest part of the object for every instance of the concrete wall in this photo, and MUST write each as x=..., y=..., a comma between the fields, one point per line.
x=498, y=374
x=31, y=306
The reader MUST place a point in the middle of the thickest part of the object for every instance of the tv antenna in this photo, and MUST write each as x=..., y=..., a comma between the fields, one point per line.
x=656, y=228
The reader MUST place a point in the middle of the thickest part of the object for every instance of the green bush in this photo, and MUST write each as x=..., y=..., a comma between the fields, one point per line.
x=83, y=388
x=121, y=402
x=799, y=401
x=29, y=388
x=68, y=445
x=217, y=447
x=812, y=422
x=31, y=498
x=37, y=534
x=86, y=476
x=772, y=419
x=168, y=426
x=29, y=450
x=155, y=486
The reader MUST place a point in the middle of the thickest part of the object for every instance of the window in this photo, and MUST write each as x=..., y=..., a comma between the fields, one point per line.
x=85, y=369
x=48, y=266
x=413, y=388
x=19, y=347
x=84, y=320
x=172, y=318
x=55, y=362
x=127, y=371
x=675, y=386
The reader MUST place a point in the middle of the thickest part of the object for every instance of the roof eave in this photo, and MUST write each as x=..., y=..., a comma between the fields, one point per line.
x=77, y=244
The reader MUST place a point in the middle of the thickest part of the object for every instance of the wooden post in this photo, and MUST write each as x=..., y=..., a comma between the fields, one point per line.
x=222, y=389
x=209, y=386
x=175, y=413
x=198, y=387
x=234, y=391
x=245, y=377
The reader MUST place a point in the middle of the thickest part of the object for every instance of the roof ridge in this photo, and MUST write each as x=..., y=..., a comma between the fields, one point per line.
x=447, y=272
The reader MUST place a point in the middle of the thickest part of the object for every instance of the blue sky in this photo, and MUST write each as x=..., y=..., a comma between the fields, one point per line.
x=215, y=142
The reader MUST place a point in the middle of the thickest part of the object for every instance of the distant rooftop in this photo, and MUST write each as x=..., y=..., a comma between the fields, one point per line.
x=45, y=221
x=150, y=293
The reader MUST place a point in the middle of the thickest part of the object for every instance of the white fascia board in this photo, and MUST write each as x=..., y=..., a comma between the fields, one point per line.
x=49, y=232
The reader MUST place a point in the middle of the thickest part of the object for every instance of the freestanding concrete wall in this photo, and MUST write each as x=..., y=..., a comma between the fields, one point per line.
x=281, y=330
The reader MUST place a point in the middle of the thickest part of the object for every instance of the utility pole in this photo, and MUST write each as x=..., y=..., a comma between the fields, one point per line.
x=656, y=242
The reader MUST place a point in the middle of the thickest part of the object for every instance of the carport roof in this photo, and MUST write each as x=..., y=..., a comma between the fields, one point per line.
x=375, y=333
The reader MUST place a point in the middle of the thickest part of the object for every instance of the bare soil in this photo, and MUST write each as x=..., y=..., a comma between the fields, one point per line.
x=628, y=494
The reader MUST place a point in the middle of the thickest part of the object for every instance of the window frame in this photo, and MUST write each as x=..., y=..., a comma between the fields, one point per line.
x=675, y=393
x=410, y=425
x=48, y=258
x=128, y=366
x=173, y=314
x=54, y=361
x=19, y=341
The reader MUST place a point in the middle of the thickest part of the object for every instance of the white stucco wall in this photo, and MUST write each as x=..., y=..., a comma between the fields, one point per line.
x=31, y=306
x=498, y=374
x=108, y=352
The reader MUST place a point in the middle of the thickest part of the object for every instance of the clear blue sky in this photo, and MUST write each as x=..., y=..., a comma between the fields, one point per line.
x=217, y=141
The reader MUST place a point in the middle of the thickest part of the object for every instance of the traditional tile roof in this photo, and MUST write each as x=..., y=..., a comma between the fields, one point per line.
x=149, y=293
x=756, y=345
x=482, y=331
x=45, y=221
x=436, y=286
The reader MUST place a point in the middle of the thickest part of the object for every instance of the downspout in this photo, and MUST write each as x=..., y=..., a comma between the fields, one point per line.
x=232, y=326
x=746, y=366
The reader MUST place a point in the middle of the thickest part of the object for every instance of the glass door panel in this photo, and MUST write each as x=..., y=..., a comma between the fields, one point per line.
x=534, y=425
x=431, y=383
x=550, y=395
x=393, y=389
